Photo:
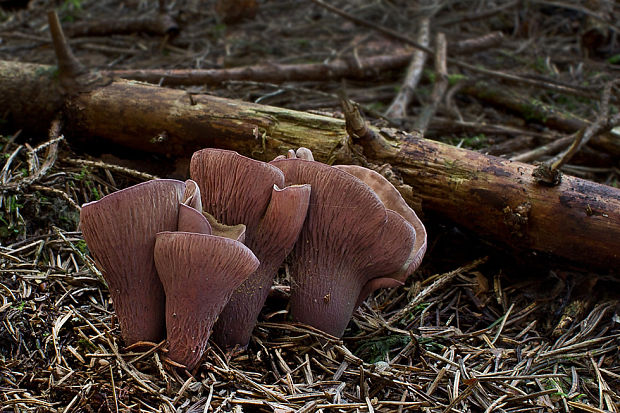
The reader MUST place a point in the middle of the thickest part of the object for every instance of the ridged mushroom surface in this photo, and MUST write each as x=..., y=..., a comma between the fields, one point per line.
x=120, y=231
x=199, y=273
x=239, y=190
x=393, y=200
x=349, y=240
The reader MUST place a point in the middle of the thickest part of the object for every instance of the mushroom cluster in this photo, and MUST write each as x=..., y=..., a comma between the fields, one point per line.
x=167, y=269
x=174, y=258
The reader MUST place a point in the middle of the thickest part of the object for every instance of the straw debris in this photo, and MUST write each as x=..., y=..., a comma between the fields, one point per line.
x=452, y=342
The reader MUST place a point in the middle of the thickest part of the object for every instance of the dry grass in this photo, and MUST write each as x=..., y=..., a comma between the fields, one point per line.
x=453, y=342
x=464, y=335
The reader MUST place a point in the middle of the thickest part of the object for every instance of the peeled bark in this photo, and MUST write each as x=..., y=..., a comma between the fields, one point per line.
x=578, y=220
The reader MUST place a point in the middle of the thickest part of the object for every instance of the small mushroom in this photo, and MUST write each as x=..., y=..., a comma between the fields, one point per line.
x=239, y=190
x=120, y=231
x=350, y=244
x=199, y=273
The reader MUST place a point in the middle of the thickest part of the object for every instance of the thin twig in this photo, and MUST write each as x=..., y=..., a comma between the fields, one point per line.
x=111, y=167
x=441, y=281
x=440, y=87
x=398, y=107
x=548, y=172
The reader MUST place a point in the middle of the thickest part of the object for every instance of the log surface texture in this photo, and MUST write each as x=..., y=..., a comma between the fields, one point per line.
x=578, y=220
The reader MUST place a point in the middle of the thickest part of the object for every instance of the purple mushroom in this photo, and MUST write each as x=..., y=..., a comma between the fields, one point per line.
x=239, y=190
x=351, y=244
x=199, y=273
x=120, y=231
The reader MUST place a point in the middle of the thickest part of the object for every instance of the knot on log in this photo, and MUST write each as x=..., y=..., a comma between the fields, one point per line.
x=517, y=219
x=546, y=175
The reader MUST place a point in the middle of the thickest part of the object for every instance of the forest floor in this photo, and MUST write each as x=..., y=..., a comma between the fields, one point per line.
x=477, y=328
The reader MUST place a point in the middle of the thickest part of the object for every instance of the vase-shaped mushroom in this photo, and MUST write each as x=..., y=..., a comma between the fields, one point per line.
x=120, y=231
x=351, y=244
x=239, y=190
x=199, y=273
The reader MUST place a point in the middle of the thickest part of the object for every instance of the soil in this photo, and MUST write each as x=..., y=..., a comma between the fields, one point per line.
x=476, y=328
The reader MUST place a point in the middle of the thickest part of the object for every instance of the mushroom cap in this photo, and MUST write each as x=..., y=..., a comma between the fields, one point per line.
x=304, y=153
x=348, y=240
x=234, y=189
x=300, y=153
x=199, y=273
x=393, y=200
x=191, y=218
x=191, y=196
x=120, y=231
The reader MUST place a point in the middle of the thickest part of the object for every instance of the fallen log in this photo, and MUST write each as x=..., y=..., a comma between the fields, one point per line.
x=369, y=67
x=353, y=68
x=578, y=220
x=533, y=110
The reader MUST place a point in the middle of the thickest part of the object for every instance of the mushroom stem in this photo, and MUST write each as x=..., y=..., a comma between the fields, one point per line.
x=275, y=236
x=324, y=298
x=199, y=273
